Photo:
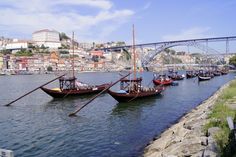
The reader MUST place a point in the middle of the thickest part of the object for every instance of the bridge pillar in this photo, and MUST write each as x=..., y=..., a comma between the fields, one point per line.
x=227, y=46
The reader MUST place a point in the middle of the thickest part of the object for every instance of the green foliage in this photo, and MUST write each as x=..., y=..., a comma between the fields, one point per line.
x=5, y=52
x=24, y=52
x=167, y=50
x=43, y=47
x=127, y=54
x=171, y=60
x=63, y=36
x=232, y=60
x=217, y=118
x=49, y=68
x=196, y=54
x=64, y=52
x=170, y=51
x=31, y=46
x=63, y=46
x=120, y=43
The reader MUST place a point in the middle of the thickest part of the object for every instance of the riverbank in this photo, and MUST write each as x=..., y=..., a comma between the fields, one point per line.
x=188, y=137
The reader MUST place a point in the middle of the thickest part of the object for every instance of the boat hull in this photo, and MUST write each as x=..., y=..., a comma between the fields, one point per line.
x=204, y=78
x=177, y=78
x=74, y=92
x=188, y=76
x=224, y=73
x=217, y=74
x=160, y=82
x=127, y=97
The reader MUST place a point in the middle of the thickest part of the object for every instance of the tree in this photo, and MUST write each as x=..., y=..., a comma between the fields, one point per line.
x=24, y=52
x=30, y=45
x=43, y=47
x=232, y=60
x=120, y=43
x=167, y=50
x=49, y=68
x=63, y=36
x=5, y=52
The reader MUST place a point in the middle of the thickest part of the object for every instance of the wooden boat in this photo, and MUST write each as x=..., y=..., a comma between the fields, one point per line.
x=176, y=77
x=224, y=72
x=203, y=78
x=131, y=89
x=217, y=73
x=134, y=90
x=69, y=86
x=2, y=74
x=162, y=80
x=204, y=75
x=190, y=74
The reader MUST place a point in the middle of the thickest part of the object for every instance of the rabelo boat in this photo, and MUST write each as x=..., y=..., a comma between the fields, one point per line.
x=131, y=89
x=162, y=80
x=190, y=74
x=69, y=86
x=204, y=76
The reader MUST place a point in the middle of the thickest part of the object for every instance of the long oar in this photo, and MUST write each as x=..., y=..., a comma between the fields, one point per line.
x=33, y=90
x=77, y=110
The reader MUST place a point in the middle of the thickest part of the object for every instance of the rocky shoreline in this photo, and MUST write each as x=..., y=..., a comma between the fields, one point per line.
x=187, y=137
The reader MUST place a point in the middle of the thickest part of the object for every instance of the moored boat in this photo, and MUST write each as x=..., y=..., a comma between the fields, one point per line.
x=2, y=74
x=176, y=77
x=71, y=87
x=224, y=72
x=217, y=73
x=204, y=75
x=203, y=78
x=132, y=89
x=190, y=74
x=162, y=80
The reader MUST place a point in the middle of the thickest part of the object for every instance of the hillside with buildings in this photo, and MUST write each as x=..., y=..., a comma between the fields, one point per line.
x=50, y=50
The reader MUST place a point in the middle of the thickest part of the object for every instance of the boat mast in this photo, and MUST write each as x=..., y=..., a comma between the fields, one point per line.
x=73, y=52
x=133, y=48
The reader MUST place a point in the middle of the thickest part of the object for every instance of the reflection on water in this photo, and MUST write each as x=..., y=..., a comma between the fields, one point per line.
x=136, y=104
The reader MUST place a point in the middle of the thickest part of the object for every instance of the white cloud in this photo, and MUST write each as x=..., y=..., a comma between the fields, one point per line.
x=192, y=33
x=28, y=16
x=102, y=4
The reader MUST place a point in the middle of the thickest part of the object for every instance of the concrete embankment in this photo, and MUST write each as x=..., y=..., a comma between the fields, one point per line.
x=187, y=137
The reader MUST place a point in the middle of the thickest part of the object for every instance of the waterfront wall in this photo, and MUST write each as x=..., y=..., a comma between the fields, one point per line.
x=187, y=138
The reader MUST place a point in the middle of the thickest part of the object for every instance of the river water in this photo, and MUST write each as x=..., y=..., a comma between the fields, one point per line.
x=39, y=126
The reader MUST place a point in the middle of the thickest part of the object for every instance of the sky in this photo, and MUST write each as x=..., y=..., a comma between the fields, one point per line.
x=111, y=20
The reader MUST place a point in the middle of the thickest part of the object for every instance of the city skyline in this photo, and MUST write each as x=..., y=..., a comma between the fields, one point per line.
x=111, y=20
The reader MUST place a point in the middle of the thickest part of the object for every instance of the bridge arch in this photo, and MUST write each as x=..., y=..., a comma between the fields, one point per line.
x=150, y=56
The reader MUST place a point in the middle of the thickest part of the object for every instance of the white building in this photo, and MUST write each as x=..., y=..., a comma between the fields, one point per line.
x=17, y=44
x=48, y=38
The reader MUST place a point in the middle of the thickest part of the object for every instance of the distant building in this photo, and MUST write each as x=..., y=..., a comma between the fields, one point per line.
x=96, y=55
x=48, y=38
x=1, y=61
x=16, y=45
x=86, y=46
x=3, y=42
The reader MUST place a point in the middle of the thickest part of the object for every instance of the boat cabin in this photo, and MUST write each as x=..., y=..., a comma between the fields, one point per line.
x=67, y=83
x=133, y=85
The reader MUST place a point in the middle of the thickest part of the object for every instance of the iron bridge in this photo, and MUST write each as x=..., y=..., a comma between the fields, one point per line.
x=200, y=43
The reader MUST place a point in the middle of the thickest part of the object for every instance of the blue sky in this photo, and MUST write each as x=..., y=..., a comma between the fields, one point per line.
x=111, y=20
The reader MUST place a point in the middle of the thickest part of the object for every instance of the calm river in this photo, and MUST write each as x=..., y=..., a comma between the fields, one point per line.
x=38, y=126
